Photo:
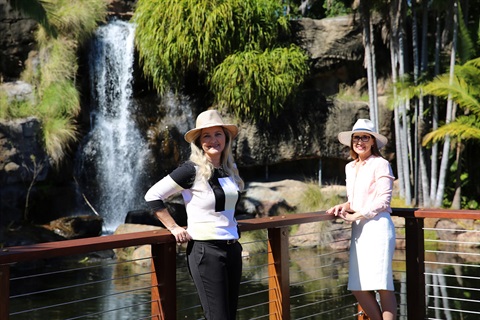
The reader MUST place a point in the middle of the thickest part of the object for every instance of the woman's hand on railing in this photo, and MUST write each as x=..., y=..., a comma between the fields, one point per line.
x=339, y=210
x=181, y=235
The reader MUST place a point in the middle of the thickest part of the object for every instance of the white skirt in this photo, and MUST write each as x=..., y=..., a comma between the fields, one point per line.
x=371, y=254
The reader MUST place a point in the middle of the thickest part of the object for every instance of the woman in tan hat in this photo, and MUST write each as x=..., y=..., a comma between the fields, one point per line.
x=369, y=181
x=210, y=186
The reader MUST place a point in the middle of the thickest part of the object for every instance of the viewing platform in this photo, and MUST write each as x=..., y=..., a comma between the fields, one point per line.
x=436, y=273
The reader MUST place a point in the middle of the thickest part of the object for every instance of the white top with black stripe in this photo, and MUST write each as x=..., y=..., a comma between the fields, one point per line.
x=210, y=205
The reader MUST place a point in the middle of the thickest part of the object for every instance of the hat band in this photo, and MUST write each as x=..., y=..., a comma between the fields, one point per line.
x=362, y=129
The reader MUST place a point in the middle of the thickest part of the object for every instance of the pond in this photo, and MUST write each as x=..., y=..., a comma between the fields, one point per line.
x=318, y=289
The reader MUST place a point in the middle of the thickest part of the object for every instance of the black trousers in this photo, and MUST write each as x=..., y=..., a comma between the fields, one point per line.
x=216, y=270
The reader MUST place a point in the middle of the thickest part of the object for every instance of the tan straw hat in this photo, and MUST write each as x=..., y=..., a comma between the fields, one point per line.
x=208, y=119
x=362, y=126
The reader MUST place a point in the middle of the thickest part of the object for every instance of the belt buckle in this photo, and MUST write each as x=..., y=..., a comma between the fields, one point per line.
x=231, y=241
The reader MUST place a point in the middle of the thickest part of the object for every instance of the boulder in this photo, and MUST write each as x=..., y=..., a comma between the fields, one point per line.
x=140, y=254
x=77, y=227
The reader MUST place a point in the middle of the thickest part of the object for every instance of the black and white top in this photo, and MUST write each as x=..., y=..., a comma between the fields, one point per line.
x=210, y=205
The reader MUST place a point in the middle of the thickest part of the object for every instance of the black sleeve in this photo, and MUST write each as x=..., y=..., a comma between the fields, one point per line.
x=184, y=175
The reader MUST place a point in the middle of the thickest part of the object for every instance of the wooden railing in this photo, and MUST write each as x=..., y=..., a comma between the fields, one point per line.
x=163, y=249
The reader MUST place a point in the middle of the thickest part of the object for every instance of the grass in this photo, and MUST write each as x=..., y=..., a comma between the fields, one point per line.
x=13, y=109
x=52, y=75
x=350, y=94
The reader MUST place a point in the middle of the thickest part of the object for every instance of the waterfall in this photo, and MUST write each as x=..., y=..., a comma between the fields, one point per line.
x=115, y=150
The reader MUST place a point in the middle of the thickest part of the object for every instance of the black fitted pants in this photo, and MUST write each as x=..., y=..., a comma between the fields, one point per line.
x=216, y=270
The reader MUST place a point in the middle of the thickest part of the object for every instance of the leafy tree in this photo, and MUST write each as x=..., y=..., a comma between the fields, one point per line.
x=255, y=78
x=235, y=47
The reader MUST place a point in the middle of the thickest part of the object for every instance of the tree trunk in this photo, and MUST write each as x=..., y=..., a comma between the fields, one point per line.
x=416, y=148
x=450, y=115
x=365, y=16
x=434, y=153
x=457, y=197
x=425, y=186
x=394, y=61
x=397, y=13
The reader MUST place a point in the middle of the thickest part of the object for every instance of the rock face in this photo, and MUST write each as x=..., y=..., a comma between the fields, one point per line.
x=335, y=48
x=16, y=42
x=22, y=160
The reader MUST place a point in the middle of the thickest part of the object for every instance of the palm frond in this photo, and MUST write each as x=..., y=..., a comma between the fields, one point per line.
x=466, y=50
x=470, y=73
x=463, y=128
x=474, y=62
x=458, y=90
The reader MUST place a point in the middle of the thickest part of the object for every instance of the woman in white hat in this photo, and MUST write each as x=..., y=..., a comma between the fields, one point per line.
x=210, y=186
x=369, y=181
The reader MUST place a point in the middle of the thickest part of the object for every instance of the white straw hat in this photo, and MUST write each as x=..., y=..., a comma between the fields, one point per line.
x=362, y=126
x=208, y=119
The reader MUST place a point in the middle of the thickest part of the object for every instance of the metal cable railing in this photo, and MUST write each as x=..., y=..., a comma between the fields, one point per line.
x=45, y=295
x=305, y=304
x=452, y=265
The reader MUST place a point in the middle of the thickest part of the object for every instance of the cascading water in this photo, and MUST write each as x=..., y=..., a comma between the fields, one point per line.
x=115, y=150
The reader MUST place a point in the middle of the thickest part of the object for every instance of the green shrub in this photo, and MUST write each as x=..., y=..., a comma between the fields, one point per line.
x=235, y=48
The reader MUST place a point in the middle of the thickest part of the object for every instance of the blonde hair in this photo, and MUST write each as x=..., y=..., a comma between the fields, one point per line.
x=206, y=168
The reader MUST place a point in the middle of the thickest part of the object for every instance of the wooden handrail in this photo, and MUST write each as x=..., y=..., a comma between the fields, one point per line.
x=164, y=263
x=78, y=246
x=85, y=245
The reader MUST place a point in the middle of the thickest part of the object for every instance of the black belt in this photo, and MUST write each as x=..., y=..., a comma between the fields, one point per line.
x=220, y=242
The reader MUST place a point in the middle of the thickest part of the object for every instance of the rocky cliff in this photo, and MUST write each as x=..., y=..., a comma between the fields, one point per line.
x=300, y=143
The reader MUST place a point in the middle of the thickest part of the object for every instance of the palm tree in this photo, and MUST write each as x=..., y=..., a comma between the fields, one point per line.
x=460, y=88
x=463, y=90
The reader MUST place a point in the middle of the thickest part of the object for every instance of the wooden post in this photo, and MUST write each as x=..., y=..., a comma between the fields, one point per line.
x=278, y=270
x=415, y=261
x=164, y=281
x=361, y=314
x=4, y=291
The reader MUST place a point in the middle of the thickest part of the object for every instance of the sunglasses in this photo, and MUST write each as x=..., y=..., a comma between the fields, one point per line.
x=364, y=138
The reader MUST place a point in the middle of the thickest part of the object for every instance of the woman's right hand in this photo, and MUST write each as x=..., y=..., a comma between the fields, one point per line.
x=339, y=210
x=181, y=235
